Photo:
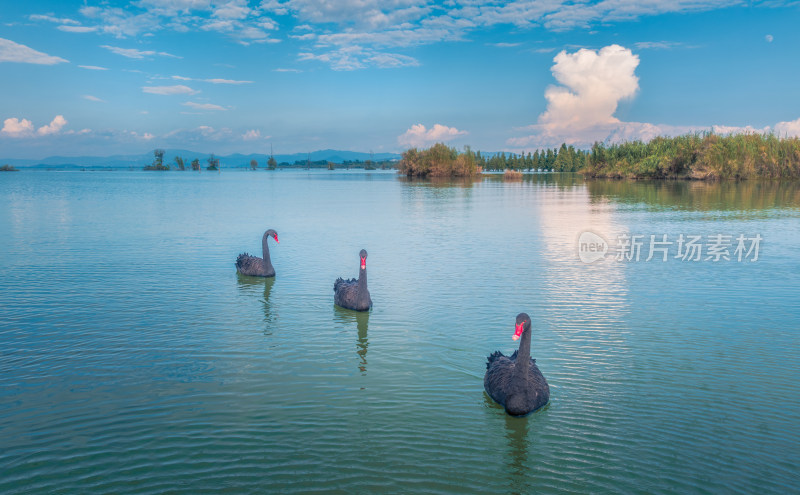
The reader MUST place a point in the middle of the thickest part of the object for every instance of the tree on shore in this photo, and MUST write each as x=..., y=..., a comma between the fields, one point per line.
x=158, y=161
x=253, y=164
x=196, y=164
x=438, y=161
x=213, y=163
x=179, y=163
x=272, y=164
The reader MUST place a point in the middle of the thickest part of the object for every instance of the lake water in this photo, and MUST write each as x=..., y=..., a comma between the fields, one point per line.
x=134, y=359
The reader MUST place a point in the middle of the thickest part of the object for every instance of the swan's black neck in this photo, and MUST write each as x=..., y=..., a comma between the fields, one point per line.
x=524, y=352
x=265, y=252
x=363, y=293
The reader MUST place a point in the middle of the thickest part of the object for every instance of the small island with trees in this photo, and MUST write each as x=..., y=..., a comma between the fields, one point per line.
x=8, y=168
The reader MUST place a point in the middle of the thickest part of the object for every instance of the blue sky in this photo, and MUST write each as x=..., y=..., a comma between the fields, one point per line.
x=110, y=77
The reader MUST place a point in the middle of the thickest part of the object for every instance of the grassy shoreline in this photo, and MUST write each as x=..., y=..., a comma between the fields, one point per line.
x=699, y=157
x=705, y=156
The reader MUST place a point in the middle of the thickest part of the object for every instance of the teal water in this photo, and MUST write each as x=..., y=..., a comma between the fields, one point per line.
x=133, y=358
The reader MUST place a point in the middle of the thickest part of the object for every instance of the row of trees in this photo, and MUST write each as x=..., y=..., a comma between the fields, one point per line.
x=272, y=164
x=180, y=164
x=563, y=159
x=442, y=161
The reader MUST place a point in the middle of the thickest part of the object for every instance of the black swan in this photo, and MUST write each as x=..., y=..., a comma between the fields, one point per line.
x=515, y=382
x=353, y=294
x=255, y=266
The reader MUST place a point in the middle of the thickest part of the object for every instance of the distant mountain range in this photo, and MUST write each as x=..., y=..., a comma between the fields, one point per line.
x=236, y=160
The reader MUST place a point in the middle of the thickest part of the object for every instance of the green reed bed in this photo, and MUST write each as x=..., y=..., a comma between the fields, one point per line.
x=698, y=156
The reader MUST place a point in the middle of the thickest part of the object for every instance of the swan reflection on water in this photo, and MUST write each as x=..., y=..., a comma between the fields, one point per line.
x=257, y=286
x=518, y=448
x=361, y=319
x=519, y=459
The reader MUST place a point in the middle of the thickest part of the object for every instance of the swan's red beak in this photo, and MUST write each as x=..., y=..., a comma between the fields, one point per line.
x=276, y=239
x=363, y=263
x=520, y=327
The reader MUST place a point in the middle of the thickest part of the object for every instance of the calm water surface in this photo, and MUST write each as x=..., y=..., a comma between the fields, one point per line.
x=133, y=359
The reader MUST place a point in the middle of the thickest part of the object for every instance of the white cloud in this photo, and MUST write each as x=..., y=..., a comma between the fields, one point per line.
x=593, y=83
x=252, y=135
x=581, y=110
x=356, y=57
x=14, y=52
x=203, y=106
x=53, y=127
x=788, y=129
x=22, y=128
x=659, y=45
x=200, y=134
x=91, y=98
x=226, y=81
x=418, y=136
x=92, y=67
x=236, y=9
x=14, y=127
x=178, y=89
x=769, y=38
x=134, y=53
x=77, y=29
x=51, y=18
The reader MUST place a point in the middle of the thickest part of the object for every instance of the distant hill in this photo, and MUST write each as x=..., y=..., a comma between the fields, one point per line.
x=235, y=160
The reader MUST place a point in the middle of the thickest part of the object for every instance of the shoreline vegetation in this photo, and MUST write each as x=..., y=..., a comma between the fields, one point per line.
x=705, y=156
x=214, y=164
x=8, y=168
x=442, y=161
x=698, y=156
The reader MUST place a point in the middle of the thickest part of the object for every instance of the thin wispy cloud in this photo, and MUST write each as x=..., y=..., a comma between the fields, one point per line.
x=136, y=54
x=178, y=89
x=53, y=19
x=659, y=45
x=357, y=57
x=11, y=51
x=334, y=28
x=91, y=98
x=227, y=81
x=77, y=29
x=204, y=106
x=92, y=67
x=234, y=82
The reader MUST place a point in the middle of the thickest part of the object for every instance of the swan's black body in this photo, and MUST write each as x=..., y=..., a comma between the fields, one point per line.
x=515, y=382
x=353, y=294
x=255, y=266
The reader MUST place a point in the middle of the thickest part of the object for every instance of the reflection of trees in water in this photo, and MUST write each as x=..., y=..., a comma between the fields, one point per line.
x=698, y=195
x=256, y=285
x=361, y=319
